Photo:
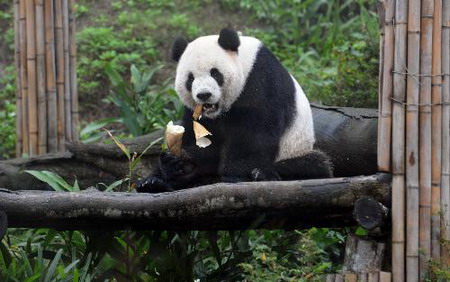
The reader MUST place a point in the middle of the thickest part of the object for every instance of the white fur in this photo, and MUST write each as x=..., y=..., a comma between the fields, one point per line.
x=203, y=54
x=299, y=138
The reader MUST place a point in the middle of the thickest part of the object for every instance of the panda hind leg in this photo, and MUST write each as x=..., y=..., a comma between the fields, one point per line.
x=314, y=164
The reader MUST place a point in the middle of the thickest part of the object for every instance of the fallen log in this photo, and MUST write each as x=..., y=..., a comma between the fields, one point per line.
x=278, y=204
x=348, y=135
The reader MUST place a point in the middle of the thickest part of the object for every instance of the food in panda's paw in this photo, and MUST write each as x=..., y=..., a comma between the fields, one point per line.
x=174, y=137
x=200, y=135
x=197, y=111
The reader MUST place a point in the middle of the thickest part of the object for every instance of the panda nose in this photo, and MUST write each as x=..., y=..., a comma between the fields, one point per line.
x=203, y=96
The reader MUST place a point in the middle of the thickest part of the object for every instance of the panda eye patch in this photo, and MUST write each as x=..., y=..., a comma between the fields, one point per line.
x=189, y=82
x=217, y=75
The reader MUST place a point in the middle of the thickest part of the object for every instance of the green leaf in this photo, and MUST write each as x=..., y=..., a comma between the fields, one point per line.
x=53, y=265
x=45, y=177
x=34, y=277
x=115, y=184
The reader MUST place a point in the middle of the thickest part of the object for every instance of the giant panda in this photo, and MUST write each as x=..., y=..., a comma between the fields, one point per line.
x=259, y=117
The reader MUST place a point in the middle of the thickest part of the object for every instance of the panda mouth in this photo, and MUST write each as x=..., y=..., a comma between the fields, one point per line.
x=209, y=108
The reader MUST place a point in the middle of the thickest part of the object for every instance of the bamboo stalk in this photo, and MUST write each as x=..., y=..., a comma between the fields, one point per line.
x=59, y=33
x=436, y=135
x=385, y=122
x=40, y=63
x=24, y=76
x=52, y=114
x=382, y=22
x=398, y=143
x=425, y=135
x=19, y=111
x=73, y=72
x=67, y=94
x=31, y=71
x=412, y=144
x=445, y=193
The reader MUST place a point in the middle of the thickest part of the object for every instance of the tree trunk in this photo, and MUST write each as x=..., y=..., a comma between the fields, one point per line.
x=277, y=204
x=347, y=135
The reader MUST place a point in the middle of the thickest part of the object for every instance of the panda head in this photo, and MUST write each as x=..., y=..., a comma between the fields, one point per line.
x=209, y=72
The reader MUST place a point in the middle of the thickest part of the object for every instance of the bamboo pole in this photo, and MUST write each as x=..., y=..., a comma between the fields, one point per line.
x=398, y=143
x=67, y=94
x=412, y=144
x=41, y=83
x=23, y=75
x=59, y=34
x=19, y=111
x=425, y=134
x=385, y=123
x=382, y=22
x=73, y=72
x=52, y=114
x=31, y=72
x=445, y=194
x=436, y=142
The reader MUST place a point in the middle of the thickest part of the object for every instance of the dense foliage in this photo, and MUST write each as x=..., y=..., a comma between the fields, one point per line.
x=330, y=46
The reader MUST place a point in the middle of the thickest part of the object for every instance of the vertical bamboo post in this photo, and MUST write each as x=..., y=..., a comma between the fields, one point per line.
x=385, y=122
x=19, y=121
x=445, y=194
x=398, y=143
x=31, y=72
x=59, y=33
x=425, y=134
x=73, y=73
x=23, y=74
x=436, y=142
x=412, y=143
x=67, y=94
x=52, y=99
x=40, y=63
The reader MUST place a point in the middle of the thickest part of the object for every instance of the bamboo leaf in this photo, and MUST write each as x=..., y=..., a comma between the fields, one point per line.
x=47, y=179
x=119, y=144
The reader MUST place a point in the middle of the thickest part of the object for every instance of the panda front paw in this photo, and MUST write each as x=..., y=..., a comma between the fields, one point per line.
x=152, y=184
x=175, y=168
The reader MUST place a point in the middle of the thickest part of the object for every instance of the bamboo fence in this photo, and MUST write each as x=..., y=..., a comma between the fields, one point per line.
x=414, y=131
x=47, y=110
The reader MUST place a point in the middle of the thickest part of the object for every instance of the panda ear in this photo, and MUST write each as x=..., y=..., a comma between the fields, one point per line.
x=178, y=47
x=229, y=39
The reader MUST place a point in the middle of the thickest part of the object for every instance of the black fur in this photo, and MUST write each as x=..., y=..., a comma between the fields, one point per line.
x=178, y=48
x=245, y=140
x=229, y=39
x=189, y=82
x=217, y=75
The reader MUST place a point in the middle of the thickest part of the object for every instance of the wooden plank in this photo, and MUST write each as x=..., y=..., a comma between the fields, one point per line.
x=31, y=73
x=385, y=276
x=351, y=277
x=445, y=193
x=330, y=278
x=363, y=277
x=436, y=135
x=412, y=142
x=67, y=93
x=398, y=142
x=41, y=82
x=73, y=72
x=374, y=277
x=52, y=114
x=425, y=135
x=385, y=122
x=339, y=278
x=59, y=42
x=19, y=121
x=24, y=75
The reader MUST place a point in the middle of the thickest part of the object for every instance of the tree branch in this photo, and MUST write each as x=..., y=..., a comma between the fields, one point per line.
x=289, y=204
